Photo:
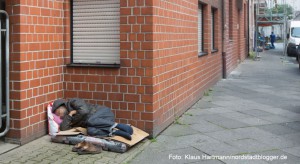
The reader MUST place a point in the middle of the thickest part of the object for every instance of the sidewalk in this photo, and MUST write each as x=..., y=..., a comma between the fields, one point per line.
x=256, y=111
x=42, y=151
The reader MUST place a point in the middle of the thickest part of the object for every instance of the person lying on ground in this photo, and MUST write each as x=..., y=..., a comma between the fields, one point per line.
x=99, y=120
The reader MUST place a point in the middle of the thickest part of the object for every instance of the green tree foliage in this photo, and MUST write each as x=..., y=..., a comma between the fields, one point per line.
x=279, y=9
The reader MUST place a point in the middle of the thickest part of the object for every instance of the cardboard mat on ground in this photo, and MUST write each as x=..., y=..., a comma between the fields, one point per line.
x=137, y=135
x=72, y=132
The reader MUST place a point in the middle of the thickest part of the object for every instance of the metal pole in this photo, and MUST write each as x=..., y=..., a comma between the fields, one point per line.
x=284, y=30
x=256, y=29
x=285, y=45
x=7, y=72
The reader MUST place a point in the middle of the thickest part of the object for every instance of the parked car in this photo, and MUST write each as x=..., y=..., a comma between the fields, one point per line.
x=298, y=54
x=293, y=36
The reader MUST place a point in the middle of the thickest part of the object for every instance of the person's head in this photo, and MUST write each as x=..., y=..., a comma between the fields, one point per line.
x=272, y=32
x=61, y=111
x=59, y=108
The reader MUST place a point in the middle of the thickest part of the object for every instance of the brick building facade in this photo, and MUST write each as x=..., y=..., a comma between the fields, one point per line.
x=163, y=70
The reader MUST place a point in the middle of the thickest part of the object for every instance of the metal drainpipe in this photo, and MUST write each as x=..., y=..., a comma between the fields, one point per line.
x=224, y=74
x=7, y=74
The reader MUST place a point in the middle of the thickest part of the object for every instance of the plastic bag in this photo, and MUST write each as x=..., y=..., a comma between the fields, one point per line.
x=53, y=121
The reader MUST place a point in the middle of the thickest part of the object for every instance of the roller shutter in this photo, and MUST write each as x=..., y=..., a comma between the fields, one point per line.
x=200, y=28
x=96, y=31
x=212, y=29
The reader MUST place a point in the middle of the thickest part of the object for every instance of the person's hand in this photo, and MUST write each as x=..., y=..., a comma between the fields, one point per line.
x=72, y=113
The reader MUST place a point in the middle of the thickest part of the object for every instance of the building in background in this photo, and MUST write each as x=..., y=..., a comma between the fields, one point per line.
x=263, y=17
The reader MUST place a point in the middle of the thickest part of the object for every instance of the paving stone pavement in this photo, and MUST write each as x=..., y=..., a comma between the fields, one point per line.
x=42, y=151
x=255, y=112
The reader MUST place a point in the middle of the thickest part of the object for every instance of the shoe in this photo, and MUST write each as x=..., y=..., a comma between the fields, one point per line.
x=124, y=127
x=122, y=134
x=79, y=146
x=90, y=148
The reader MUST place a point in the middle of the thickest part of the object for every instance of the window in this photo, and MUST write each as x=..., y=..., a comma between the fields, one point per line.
x=230, y=19
x=200, y=29
x=295, y=32
x=95, y=26
x=245, y=21
x=213, y=28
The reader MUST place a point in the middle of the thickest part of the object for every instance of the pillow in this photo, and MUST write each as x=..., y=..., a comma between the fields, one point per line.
x=53, y=121
x=57, y=119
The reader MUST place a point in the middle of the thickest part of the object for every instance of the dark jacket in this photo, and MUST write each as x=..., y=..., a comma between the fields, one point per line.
x=272, y=37
x=99, y=120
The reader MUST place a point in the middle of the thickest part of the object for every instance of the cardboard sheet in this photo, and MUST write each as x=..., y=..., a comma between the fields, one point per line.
x=71, y=132
x=137, y=135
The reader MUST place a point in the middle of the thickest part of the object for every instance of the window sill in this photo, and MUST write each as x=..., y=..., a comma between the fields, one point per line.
x=214, y=50
x=200, y=54
x=94, y=65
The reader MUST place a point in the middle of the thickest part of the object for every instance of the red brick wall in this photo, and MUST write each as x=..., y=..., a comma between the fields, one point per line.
x=128, y=89
x=160, y=75
x=36, y=63
x=180, y=76
x=235, y=47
